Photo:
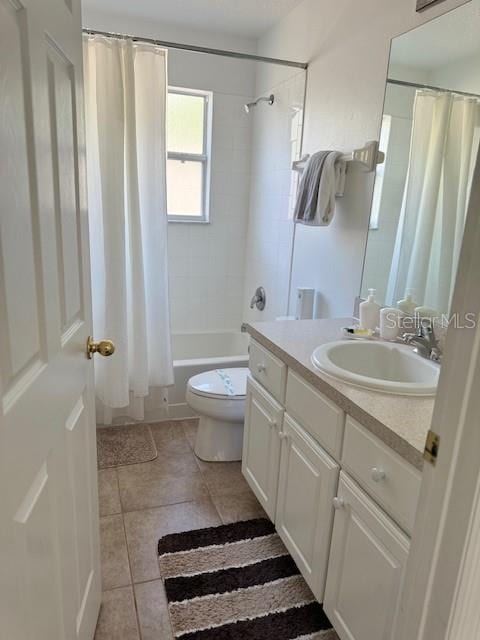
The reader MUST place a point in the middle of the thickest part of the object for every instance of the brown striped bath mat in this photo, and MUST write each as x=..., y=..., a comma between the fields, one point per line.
x=238, y=582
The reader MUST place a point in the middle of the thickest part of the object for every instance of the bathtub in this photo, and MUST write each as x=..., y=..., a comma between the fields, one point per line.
x=197, y=352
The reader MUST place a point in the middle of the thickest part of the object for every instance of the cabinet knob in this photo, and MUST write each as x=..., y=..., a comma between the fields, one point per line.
x=283, y=436
x=338, y=503
x=378, y=474
x=261, y=368
x=273, y=424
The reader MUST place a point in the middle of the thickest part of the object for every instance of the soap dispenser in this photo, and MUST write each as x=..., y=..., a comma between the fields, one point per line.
x=369, y=312
x=407, y=305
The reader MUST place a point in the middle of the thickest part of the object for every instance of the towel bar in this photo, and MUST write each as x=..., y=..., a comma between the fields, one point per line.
x=368, y=156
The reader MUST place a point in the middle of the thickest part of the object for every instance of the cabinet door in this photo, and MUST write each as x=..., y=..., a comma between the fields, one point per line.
x=307, y=485
x=261, y=445
x=366, y=567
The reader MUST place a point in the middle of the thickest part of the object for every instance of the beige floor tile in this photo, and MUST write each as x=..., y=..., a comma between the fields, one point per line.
x=118, y=620
x=223, y=478
x=240, y=507
x=115, y=566
x=171, y=478
x=190, y=428
x=152, y=608
x=144, y=528
x=170, y=437
x=108, y=495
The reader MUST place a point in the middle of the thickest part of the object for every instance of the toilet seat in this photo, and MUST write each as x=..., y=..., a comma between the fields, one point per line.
x=220, y=384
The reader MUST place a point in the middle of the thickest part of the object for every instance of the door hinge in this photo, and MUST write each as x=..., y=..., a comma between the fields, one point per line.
x=431, y=447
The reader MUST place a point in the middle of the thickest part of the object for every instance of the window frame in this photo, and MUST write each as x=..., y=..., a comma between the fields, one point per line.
x=203, y=158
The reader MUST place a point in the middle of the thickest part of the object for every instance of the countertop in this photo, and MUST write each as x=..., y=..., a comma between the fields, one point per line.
x=401, y=422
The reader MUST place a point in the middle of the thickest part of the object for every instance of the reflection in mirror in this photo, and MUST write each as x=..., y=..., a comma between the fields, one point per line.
x=430, y=136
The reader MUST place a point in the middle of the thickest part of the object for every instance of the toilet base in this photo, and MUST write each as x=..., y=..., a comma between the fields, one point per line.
x=218, y=440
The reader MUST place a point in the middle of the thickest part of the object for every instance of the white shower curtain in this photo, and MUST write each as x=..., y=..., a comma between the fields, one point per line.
x=443, y=150
x=126, y=94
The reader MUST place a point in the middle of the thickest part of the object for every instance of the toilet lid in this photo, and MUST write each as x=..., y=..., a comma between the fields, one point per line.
x=220, y=383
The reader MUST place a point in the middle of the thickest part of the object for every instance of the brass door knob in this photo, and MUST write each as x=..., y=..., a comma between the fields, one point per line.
x=103, y=347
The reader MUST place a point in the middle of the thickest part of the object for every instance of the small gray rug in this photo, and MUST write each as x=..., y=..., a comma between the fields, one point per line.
x=123, y=445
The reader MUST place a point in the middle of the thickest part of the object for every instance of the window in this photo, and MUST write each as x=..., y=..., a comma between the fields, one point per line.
x=189, y=117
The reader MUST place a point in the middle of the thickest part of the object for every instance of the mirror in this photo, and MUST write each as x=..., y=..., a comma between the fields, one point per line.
x=430, y=136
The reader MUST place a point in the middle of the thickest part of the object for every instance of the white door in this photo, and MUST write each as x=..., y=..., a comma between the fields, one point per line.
x=261, y=445
x=366, y=567
x=307, y=485
x=49, y=543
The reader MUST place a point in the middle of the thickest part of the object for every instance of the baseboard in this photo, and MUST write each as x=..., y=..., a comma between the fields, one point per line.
x=179, y=411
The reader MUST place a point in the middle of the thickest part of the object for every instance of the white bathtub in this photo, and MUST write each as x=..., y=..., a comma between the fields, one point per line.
x=197, y=352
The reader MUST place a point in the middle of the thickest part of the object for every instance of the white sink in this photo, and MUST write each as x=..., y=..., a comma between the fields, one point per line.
x=381, y=366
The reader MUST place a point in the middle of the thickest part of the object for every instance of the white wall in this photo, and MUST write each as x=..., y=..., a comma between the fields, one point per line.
x=347, y=44
x=118, y=23
x=207, y=261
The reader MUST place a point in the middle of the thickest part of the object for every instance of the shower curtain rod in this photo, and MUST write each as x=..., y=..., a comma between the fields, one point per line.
x=197, y=49
x=403, y=83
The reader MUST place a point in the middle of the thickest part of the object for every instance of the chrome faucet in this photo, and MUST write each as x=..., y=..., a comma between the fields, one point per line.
x=425, y=341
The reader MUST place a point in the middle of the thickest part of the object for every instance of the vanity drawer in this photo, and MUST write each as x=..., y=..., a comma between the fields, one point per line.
x=317, y=414
x=389, y=479
x=268, y=370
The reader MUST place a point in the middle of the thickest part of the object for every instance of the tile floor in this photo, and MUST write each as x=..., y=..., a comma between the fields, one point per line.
x=142, y=502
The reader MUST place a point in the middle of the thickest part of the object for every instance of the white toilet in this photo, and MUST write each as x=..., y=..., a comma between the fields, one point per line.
x=219, y=399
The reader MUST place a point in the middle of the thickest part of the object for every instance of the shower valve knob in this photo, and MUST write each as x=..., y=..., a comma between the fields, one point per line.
x=259, y=299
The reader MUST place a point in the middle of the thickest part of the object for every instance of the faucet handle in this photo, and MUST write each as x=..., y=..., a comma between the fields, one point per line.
x=426, y=324
x=259, y=299
x=427, y=330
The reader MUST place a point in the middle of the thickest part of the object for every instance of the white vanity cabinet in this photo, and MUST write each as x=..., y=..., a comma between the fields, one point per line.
x=366, y=568
x=318, y=415
x=261, y=445
x=268, y=370
x=342, y=501
x=386, y=477
x=307, y=485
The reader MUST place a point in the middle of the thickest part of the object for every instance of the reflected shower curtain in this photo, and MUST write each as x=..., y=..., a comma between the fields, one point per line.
x=125, y=96
x=443, y=150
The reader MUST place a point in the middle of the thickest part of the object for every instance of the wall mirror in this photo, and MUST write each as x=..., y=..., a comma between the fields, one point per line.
x=430, y=136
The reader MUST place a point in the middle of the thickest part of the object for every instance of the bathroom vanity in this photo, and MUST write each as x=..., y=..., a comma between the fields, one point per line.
x=337, y=468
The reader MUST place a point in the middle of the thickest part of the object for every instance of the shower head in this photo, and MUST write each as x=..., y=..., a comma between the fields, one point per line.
x=270, y=100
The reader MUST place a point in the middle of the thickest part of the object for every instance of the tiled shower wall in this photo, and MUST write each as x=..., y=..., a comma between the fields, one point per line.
x=215, y=268
x=207, y=261
x=277, y=137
